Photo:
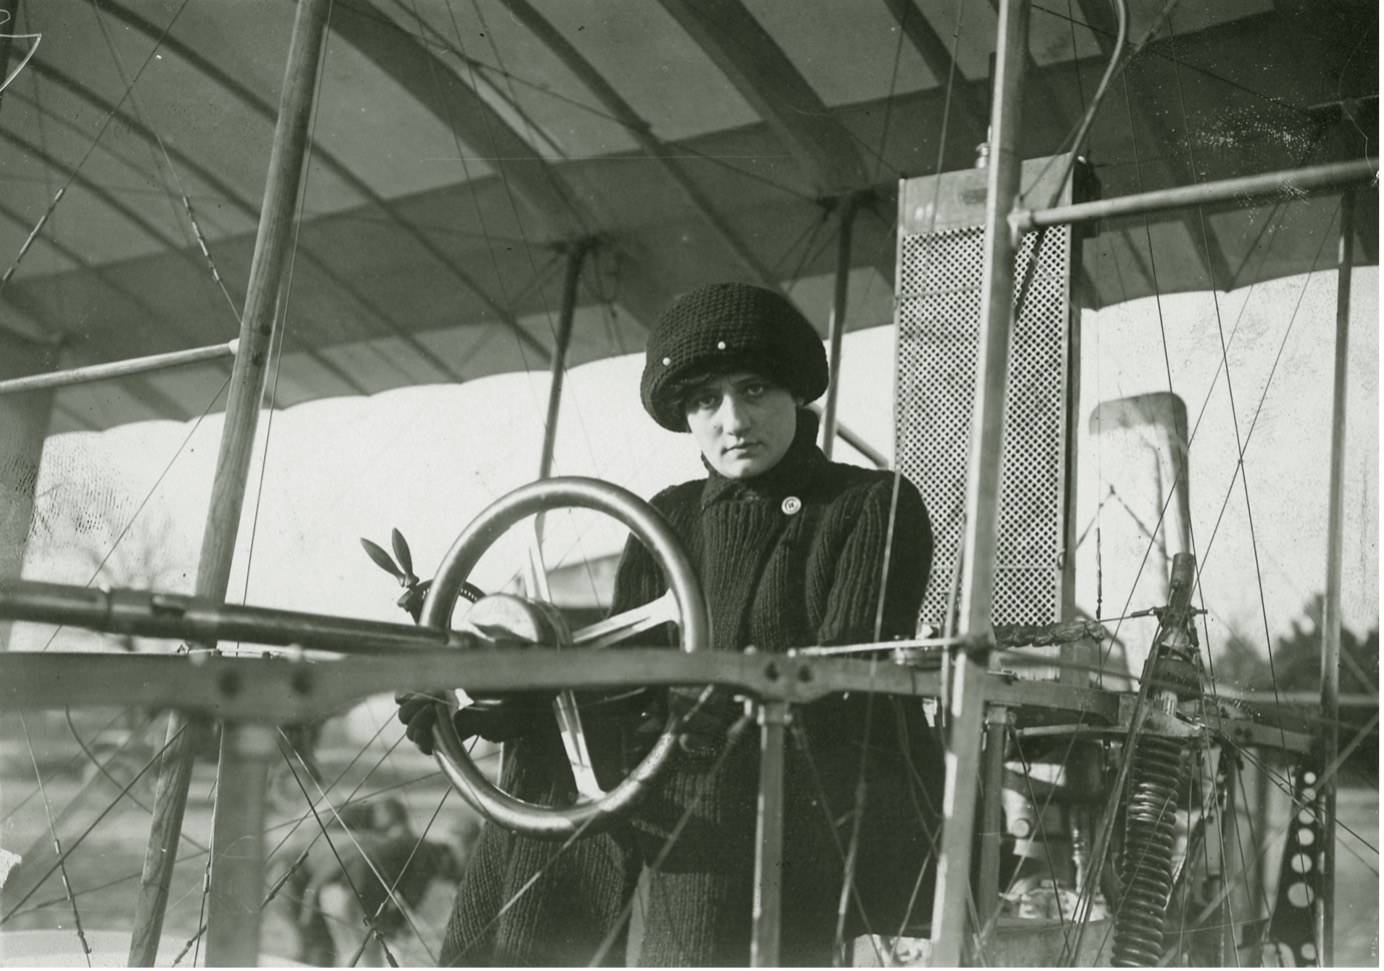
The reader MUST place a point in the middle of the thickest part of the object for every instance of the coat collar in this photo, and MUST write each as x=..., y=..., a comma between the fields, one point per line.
x=800, y=465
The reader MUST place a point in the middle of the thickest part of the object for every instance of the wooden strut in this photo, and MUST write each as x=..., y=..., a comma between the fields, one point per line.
x=576, y=256
x=233, y=924
x=117, y=369
x=1323, y=913
x=848, y=206
x=950, y=914
x=774, y=717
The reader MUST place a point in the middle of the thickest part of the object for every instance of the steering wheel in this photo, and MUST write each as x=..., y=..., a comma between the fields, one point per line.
x=687, y=607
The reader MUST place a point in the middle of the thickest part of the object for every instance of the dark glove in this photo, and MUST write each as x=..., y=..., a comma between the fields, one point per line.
x=704, y=715
x=493, y=719
x=418, y=712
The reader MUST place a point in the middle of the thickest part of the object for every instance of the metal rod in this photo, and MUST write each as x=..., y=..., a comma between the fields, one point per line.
x=576, y=254
x=1231, y=870
x=118, y=369
x=992, y=815
x=237, y=865
x=950, y=917
x=144, y=613
x=836, y=330
x=1242, y=191
x=1324, y=912
x=768, y=857
x=853, y=439
x=257, y=329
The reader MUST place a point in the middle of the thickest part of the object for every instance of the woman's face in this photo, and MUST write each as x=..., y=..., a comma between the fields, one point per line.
x=743, y=423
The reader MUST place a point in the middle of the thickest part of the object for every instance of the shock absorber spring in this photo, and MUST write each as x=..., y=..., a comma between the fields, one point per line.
x=1146, y=864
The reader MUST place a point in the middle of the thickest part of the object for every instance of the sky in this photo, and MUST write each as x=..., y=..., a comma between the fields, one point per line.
x=428, y=459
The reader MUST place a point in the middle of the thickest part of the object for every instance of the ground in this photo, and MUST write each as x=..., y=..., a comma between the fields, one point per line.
x=104, y=863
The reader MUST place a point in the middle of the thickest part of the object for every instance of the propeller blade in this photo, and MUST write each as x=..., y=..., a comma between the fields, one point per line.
x=381, y=558
x=401, y=550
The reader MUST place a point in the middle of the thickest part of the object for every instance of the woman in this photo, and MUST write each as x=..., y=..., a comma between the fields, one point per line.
x=791, y=550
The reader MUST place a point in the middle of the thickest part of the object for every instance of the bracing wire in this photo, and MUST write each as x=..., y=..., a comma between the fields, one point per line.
x=61, y=864
x=356, y=891
x=889, y=101
x=71, y=847
x=733, y=734
x=76, y=169
x=379, y=911
x=946, y=115
x=138, y=103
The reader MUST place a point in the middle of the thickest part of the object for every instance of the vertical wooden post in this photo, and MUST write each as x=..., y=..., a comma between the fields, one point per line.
x=1324, y=911
x=950, y=916
x=257, y=328
x=768, y=858
x=848, y=205
x=237, y=891
x=576, y=255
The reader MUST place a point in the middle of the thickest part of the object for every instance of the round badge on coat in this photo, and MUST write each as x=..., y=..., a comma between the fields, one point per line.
x=791, y=505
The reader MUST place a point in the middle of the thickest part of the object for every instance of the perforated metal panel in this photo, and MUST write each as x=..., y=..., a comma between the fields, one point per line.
x=938, y=324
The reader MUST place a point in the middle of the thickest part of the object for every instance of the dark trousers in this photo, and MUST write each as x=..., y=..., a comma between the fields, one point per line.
x=700, y=897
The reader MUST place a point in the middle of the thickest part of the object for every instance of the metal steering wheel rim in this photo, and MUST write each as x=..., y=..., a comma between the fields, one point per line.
x=531, y=819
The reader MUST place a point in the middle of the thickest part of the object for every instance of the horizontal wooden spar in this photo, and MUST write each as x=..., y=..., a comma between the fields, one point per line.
x=119, y=369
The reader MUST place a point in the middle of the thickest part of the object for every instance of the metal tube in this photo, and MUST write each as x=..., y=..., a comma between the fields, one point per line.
x=257, y=328
x=992, y=815
x=853, y=439
x=849, y=204
x=950, y=915
x=576, y=254
x=1324, y=912
x=145, y=614
x=237, y=863
x=118, y=369
x=1243, y=191
x=1231, y=872
x=768, y=857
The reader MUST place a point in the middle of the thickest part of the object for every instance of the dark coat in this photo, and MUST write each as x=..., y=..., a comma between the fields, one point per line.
x=792, y=558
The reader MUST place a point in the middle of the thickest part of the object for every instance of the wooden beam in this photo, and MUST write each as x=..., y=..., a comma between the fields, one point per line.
x=767, y=79
x=224, y=191
x=230, y=86
x=558, y=210
x=642, y=132
x=193, y=337
x=434, y=83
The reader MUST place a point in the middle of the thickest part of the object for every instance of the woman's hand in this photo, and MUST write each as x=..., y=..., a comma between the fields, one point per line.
x=493, y=719
x=418, y=712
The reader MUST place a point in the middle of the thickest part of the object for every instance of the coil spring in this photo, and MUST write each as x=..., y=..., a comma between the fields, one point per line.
x=1146, y=866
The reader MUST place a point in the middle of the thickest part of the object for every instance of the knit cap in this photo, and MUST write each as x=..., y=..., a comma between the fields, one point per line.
x=722, y=327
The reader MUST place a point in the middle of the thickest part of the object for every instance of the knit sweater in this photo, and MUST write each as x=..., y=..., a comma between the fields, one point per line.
x=791, y=558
